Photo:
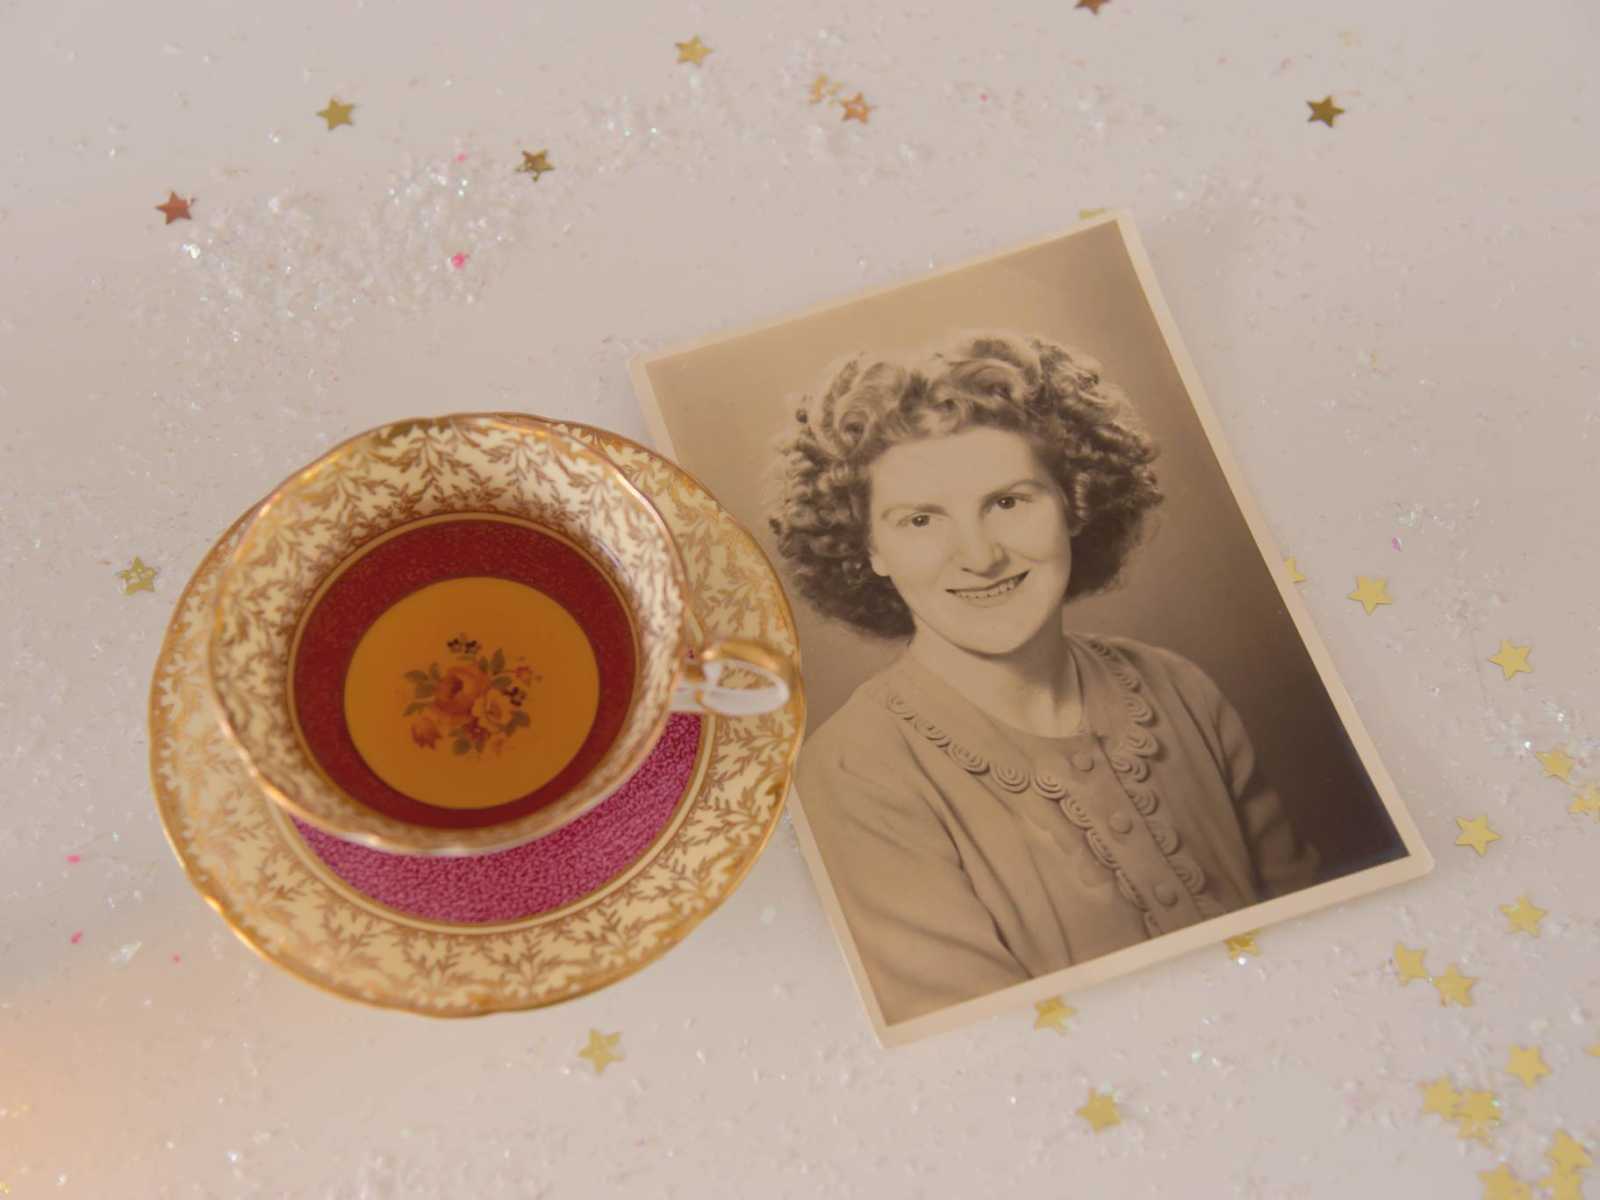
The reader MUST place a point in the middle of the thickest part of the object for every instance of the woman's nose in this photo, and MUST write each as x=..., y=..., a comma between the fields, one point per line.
x=978, y=552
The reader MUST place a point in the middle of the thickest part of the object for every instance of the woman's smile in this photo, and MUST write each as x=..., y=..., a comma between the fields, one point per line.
x=990, y=595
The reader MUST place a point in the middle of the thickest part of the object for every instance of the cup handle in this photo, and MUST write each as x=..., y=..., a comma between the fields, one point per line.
x=698, y=689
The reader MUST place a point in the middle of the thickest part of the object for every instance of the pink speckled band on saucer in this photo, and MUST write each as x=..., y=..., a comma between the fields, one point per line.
x=543, y=875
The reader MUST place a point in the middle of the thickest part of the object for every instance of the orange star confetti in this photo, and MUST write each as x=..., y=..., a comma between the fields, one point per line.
x=857, y=109
x=137, y=578
x=1527, y=1064
x=1557, y=763
x=176, y=208
x=1371, y=593
x=601, y=1050
x=337, y=114
x=535, y=164
x=1454, y=988
x=1513, y=660
x=1053, y=1014
x=1324, y=110
x=1476, y=833
x=693, y=51
x=1100, y=1111
x=1093, y=6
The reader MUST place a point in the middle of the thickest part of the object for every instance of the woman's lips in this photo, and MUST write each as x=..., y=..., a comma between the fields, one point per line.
x=991, y=594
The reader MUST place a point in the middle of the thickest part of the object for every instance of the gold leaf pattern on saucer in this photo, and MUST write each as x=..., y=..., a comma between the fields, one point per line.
x=242, y=853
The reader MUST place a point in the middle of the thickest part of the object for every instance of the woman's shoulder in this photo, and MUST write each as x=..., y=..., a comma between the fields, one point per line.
x=865, y=738
x=864, y=722
x=1157, y=665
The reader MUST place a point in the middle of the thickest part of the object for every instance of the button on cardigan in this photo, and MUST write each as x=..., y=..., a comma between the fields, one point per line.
x=968, y=855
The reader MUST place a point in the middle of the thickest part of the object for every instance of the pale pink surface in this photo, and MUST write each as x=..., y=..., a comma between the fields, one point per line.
x=540, y=875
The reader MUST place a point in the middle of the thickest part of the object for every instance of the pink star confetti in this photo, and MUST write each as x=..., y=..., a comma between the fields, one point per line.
x=459, y=260
x=74, y=858
x=76, y=938
x=1395, y=542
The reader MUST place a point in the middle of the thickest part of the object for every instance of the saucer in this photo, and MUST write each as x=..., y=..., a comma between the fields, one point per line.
x=539, y=923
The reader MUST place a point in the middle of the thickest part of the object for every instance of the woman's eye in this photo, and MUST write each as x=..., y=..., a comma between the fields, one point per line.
x=918, y=520
x=1007, y=503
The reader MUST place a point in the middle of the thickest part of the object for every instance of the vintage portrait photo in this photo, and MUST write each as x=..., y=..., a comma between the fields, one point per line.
x=1068, y=716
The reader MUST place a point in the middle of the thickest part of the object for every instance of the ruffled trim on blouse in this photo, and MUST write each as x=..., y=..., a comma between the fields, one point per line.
x=1129, y=752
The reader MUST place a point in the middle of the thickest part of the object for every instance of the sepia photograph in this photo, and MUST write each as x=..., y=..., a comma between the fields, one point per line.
x=1068, y=716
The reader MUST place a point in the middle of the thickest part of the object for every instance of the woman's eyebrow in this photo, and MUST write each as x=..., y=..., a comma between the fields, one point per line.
x=1027, y=481
x=910, y=507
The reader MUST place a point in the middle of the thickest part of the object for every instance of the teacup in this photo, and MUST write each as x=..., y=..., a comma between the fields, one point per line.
x=457, y=634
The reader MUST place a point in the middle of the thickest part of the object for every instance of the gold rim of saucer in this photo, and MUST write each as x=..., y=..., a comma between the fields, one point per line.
x=297, y=920
x=339, y=813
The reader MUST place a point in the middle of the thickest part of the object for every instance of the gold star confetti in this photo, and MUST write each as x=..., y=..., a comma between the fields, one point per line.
x=1524, y=916
x=1563, y=1185
x=693, y=51
x=1440, y=1097
x=1454, y=987
x=1557, y=763
x=1594, y=1050
x=1243, y=944
x=137, y=578
x=176, y=208
x=856, y=109
x=1476, y=833
x=1085, y=214
x=1501, y=1184
x=1527, y=1064
x=1513, y=660
x=1053, y=1014
x=1093, y=6
x=337, y=114
x=1477, y=1114
x=536, y=164
x=1586, y=801
x=823, y=88
x=601, y=1050
x=1324, y=110
x=1371, y=593
x=1568, y=1154
x=1409, y=963
x=1101, y=1111
x=1294, y=570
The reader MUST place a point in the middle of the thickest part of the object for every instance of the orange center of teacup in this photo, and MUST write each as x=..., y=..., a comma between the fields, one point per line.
x=472, y=692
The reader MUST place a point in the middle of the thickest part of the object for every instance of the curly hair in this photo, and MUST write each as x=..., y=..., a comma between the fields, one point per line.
x=1078, y=425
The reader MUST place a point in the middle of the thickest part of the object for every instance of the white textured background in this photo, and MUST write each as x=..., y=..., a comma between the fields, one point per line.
x=1395, y=321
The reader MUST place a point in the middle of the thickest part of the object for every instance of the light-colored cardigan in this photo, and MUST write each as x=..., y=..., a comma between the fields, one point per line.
x=968, y=855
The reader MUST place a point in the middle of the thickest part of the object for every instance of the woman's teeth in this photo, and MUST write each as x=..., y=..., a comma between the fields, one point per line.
x=993, y=592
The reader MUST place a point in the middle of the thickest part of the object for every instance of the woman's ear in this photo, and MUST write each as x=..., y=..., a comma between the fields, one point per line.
x=877, y=564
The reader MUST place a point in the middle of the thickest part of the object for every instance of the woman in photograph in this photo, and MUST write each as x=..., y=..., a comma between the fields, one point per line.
x=1007, y=798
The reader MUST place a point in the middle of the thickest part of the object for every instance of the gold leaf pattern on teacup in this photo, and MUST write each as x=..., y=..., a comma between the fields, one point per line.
x=435, y=468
